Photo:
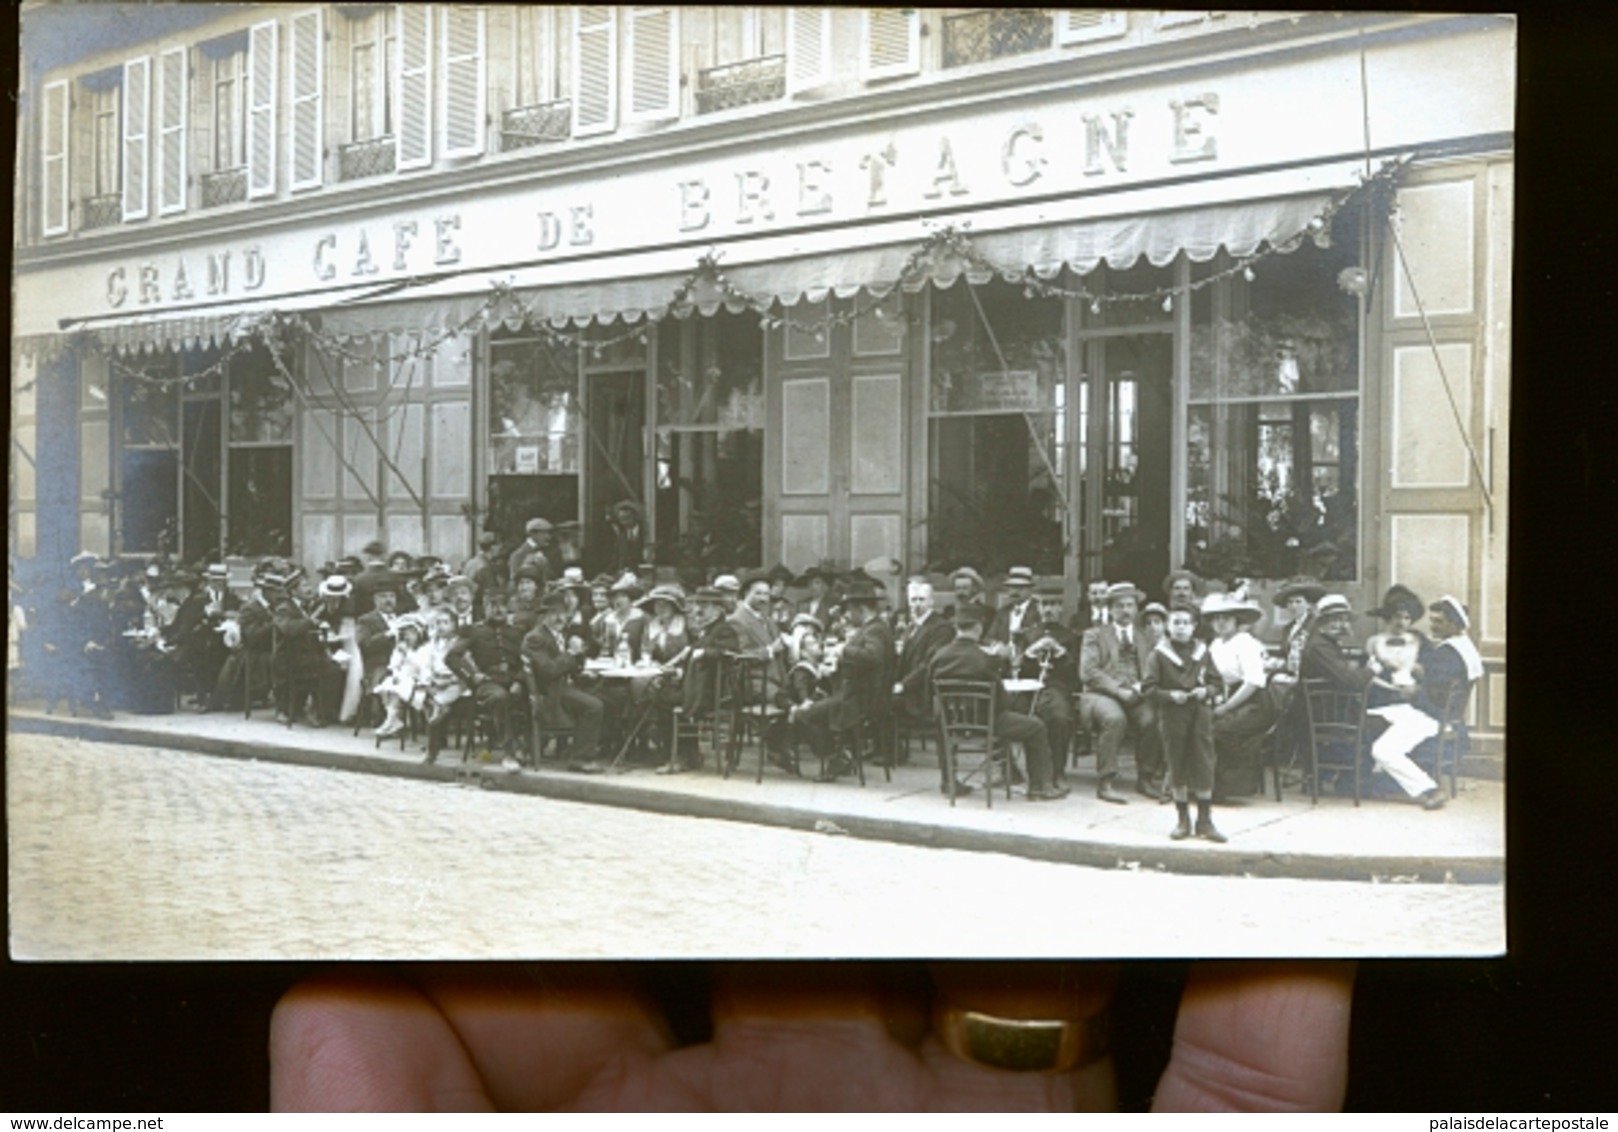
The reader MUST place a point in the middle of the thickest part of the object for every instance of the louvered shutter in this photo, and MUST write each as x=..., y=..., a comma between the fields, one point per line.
x=137, y=137
x=892, y=42
x=654, y=64
x=308, y=87
x=53, y=150
x=464, y=85
x=262, y=66
x=1088, y=25
x=173, y=100
x=595, y=70
x=413, y=124
x=808, y=47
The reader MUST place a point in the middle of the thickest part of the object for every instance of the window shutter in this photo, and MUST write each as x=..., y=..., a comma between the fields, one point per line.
x=308, y=126
x=413, y=123
x=892, y=43
x=1087, y=25
x=464, y=85
x=654, y=64
x=262, y=65
x=137, y=139
x=173, y=69
x=808, y=48
x=595, y=70
x=53, y=149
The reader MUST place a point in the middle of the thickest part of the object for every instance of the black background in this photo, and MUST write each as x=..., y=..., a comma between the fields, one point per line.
x=1532, y=1031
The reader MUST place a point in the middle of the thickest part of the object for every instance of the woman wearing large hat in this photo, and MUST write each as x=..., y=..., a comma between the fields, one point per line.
x=1244, y=714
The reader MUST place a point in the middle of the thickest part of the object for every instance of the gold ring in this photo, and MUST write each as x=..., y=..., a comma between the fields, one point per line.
x=1022, y=1045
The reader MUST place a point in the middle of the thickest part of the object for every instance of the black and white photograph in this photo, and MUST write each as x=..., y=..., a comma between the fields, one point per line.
x=536, y=482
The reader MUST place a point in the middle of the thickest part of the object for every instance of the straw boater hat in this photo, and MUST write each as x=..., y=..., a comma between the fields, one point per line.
x=861, y=590
x=217, y=571
x=336, y=585
x=1301, y=586
x=1333, y=605
x=1123, y=589
x=1224, y=604
x=670, y=594
x=1399, y=598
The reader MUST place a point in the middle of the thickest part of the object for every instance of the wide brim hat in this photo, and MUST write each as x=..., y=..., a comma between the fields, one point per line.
x=1122, y=590
x=883, y=567
x=387, y=583
x=967, y=572
x=1197, y=583
x=1398, y=598
x=350, y=566
x=1302, y=586
x=779, y=573
x=663, y=593
x=1019, y=576
x=1223, y=604
x=861, y=590
x=809, y=575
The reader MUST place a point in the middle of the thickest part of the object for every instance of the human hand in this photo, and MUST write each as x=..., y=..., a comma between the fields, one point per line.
x=1249, y=1037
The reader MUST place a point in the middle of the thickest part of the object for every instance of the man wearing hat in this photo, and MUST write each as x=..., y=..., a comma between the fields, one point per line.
x=756, y=634
x=1050, y=654
x=250, y=637
x=1324, y=659
x=1018, y=612
x=305, y=674
x=377, y=631
x=860, y=687
x=967, y=585
x=627, y=521
x=486, y=568
x=196, y=650
x=819, y=603
x=557, y=661
x=965, y=658
x=928, y=631
x=730, y=591
x=1093, y=610
x=712, y=638
x=1112, y=664
x=532, y=551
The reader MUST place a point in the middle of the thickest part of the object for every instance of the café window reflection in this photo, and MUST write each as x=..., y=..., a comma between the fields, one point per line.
x=1273, y=420
x=534, y=428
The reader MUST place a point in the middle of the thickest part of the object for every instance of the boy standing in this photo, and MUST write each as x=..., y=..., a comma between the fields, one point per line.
x=1180, y=679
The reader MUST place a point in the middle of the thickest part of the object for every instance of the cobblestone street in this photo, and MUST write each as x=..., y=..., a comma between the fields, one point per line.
x=122, y=852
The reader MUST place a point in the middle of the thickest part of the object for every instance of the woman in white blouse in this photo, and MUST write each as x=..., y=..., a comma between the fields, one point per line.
x=1244, y=715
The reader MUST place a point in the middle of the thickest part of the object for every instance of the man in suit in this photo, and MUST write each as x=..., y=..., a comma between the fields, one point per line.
x=376, y=632
x=1018, y=610
x=1050, y=653
x=250, y=637
x=1112, y=661
x=966, y=584
x=1093, y=610
x=557, y=662
x=756, y=634
x=965, y=658
x=927, y=632
x=196, y=650
x=373, y=570
x=864, y=673
x=1324, y=658
x=486, y=568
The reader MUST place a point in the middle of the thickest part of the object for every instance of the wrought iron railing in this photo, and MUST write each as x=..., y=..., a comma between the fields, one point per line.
x=227, y=186
x=103, y=211
x=536, y=125
x=741, y=84
x=996, y=33
x=369, y=158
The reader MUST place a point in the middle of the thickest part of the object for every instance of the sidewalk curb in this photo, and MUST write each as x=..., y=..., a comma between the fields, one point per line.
x=1197, y=860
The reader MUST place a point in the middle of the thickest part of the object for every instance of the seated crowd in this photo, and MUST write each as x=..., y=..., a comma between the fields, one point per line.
x=404, y=642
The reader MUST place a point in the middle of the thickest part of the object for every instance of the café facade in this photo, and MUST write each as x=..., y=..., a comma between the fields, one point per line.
x=1141, y=290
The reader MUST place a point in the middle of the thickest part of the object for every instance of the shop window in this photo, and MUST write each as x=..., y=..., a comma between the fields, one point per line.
x=260, y=406
x=710, y=441
x=1273, y=420
x=996, y=421
x=534, y=430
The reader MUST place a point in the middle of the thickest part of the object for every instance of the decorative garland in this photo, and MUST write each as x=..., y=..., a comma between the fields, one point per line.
x=505, y=306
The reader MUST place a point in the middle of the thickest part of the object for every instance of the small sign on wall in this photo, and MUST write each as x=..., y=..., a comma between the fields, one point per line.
x=527, y=460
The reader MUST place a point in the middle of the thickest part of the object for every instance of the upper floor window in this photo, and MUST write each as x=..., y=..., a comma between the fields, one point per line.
x=750, y=63
x=229, y=116
x=371, y=61
x=105, y=139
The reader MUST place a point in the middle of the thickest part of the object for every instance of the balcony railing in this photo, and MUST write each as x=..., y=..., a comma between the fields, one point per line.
x=103, y=211
x=997, y=33
x=228, y=186
x=370, y=158
x=741, y=84
x=536, y=125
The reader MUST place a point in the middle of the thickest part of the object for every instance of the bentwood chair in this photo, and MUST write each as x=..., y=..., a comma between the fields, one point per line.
x=1336, y=728
x=1451, y=741
x=754, y=711
x=966, y=719
x=701, y=719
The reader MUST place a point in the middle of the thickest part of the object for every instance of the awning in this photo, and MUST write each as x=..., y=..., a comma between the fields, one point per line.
x=1074, y=233
x=202, y=325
